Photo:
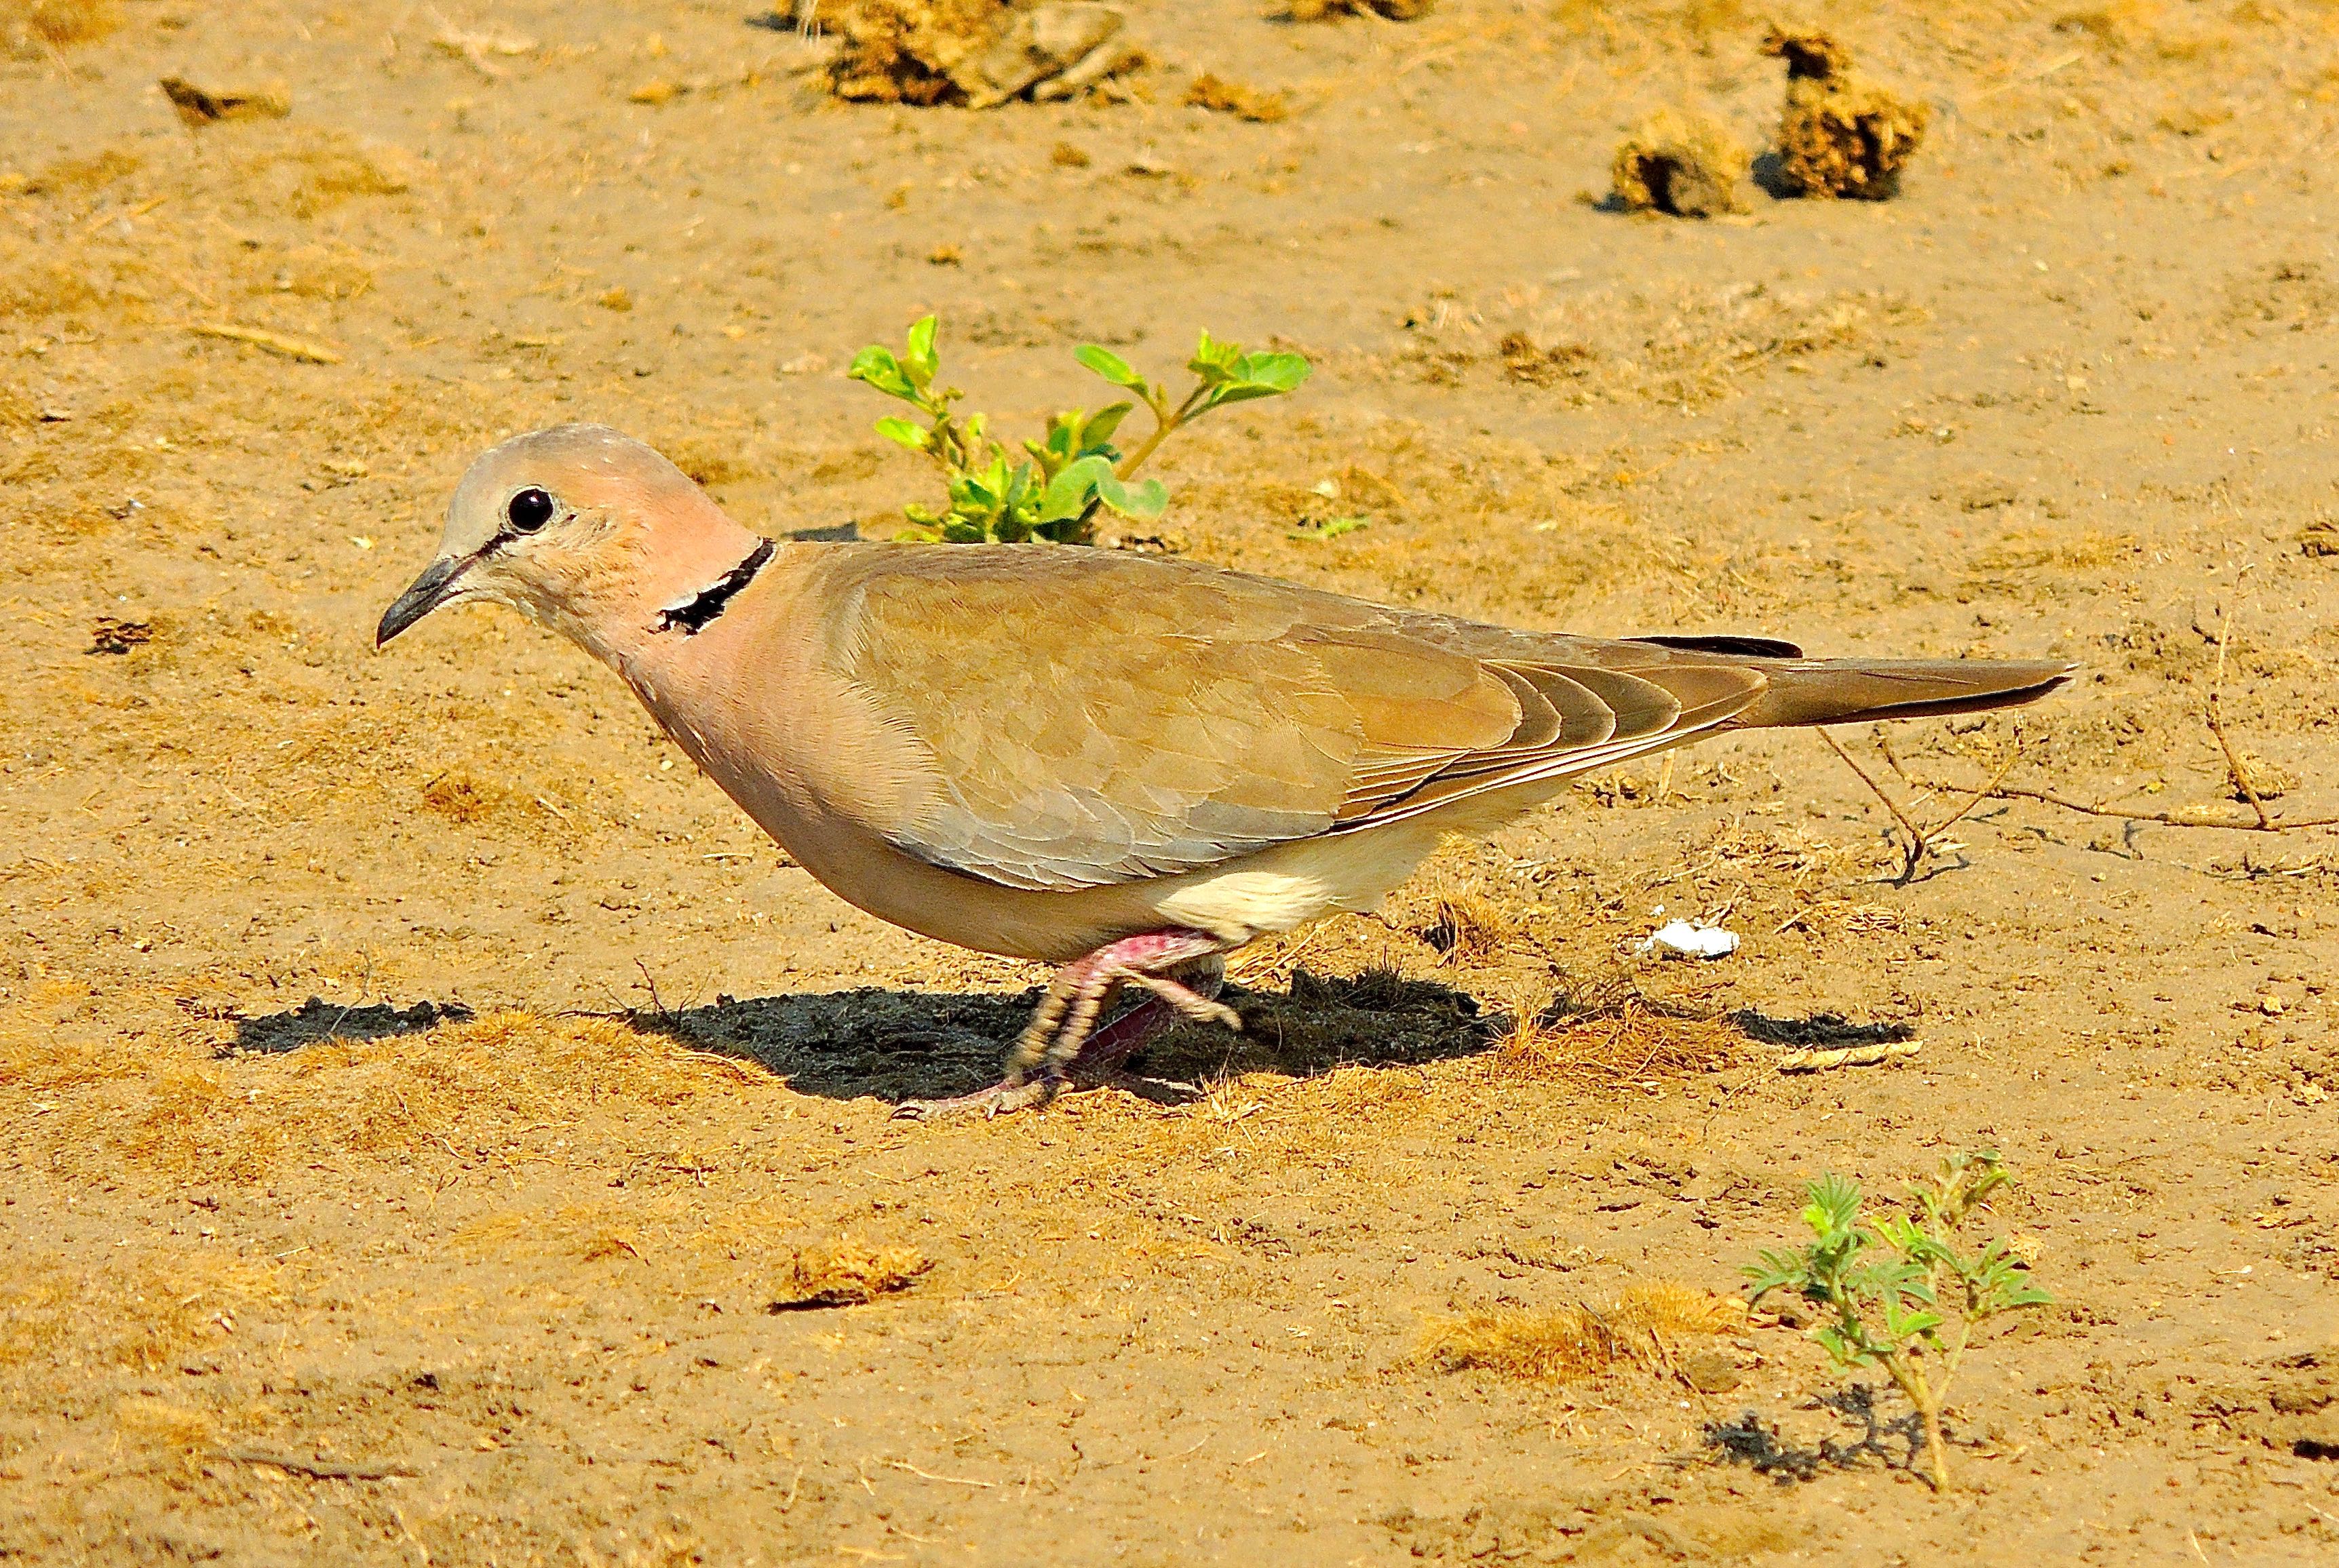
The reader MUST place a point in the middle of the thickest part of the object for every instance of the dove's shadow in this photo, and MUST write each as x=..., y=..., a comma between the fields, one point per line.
x=897, y=1045
x=317, y=1020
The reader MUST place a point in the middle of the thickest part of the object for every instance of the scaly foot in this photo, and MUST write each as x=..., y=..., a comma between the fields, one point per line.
x=1061, y=1045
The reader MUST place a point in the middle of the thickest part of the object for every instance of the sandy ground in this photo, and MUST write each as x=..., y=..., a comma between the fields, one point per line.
x=416, y=1084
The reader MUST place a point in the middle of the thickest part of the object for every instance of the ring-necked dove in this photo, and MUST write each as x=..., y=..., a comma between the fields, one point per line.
x=1125, y=765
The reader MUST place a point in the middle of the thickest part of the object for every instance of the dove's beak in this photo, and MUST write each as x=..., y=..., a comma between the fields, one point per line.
x=434, y=588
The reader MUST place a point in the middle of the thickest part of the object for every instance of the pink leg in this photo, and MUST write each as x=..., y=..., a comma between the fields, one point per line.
x=1062, y=1037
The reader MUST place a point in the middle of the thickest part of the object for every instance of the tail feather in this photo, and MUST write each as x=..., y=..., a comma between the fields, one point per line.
x=1855, y=691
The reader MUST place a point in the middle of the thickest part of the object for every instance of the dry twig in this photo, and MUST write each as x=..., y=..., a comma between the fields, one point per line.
x=2263, y=820
x=1922, y=842
x=275, y=343
x=2217, y=686
x=2165, y=819
x=318, y=1469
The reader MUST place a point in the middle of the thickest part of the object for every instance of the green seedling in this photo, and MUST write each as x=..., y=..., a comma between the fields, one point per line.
x=1897, y=1292
x=1054, y=491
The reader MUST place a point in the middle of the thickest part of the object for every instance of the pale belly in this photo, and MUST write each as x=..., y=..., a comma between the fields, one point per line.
x=1274, y=889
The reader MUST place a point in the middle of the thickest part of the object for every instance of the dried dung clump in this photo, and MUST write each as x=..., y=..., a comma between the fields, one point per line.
x=1639, y=1332
x=1839, y=136
x=2254, y=775
x=845, y=1274
x=975, y=53
x=1221, y=97
x=903, y=51
x=1686, y=164
x=1388, y=10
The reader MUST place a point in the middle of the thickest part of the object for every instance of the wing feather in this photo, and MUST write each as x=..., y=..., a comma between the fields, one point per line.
x=1093, y=718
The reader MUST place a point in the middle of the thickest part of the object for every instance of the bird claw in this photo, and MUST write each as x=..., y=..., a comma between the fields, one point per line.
x=1216, y=1012
x=1062, y=1041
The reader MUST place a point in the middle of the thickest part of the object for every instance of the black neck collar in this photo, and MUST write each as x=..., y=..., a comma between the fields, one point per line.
x=692, y=614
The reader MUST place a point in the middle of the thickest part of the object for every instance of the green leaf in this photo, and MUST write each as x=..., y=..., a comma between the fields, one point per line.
x=1145, y=498
x=903, y=432
x=1102, y=424
x=921, y=362
x=1110, y=366
x=1835, y=1344
x=1214, y=362
x=1834, y=1205
x=1277, y=372
x=1234, y=377
x=876, y=365
x=971, y=497
x=1063, y=439
x=1774, y=1271
x=1067, y=494
x=1902, y=1324
x=1241, y=392
x=1018, y=490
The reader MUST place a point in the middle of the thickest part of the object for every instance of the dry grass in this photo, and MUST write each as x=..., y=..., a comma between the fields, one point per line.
x=2033, y=548
x=58, y=24
x=2126, y=29
x=1628, y=1043
x=709, y=460
x=139, y=1313
x=1221, y=97
x=1760, y=862
x=1687, y=165
x=1469, y=927
x=591, y=1231
x=464, y=798
x=1688, y=345
x=339, y=167
x=33, y=286
x=1639, y=1333
x=164, y=1424
x=845, y=1273
x=457, y=1087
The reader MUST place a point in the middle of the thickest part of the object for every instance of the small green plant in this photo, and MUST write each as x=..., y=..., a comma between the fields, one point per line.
x=1054, y=490
x=1897, y=1292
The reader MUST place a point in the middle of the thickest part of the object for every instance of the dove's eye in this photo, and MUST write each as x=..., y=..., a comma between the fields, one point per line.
x=529, y=510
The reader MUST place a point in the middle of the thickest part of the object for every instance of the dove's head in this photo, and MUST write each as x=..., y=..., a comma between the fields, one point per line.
x=583, y=529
